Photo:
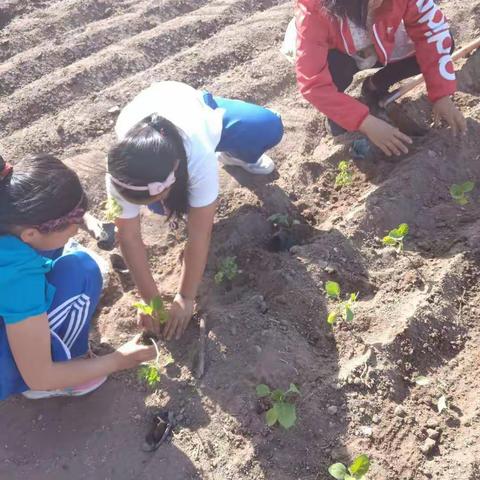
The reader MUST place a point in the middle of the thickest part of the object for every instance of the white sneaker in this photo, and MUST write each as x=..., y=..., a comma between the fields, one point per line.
x=263, y=166
x=66, y=392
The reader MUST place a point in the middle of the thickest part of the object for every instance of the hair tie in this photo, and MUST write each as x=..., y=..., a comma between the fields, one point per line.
x=7, y=169
x=153, y=188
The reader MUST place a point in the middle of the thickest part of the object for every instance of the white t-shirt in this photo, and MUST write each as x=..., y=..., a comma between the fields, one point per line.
x=202, y=126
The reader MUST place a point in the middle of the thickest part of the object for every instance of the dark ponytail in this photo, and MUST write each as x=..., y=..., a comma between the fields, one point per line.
x=355, y=10
x=38, y=189
x=147, y=154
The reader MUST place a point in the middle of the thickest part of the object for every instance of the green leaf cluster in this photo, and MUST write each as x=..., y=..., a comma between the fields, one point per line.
x=283, y=220
x=356, y=471
x=282, y=410
x=227, y=271
x=113, y=209
x=156, y=309
x=344, y=176
x=459, y=192
x=344, y=309
x=150, y=374
x=395, y=237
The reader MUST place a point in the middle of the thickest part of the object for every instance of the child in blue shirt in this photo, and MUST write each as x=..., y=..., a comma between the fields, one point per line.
x=46, y=305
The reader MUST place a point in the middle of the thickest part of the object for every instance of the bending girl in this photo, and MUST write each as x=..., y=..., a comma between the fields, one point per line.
x=337, y=38
x=166, y=158
x=46, y=304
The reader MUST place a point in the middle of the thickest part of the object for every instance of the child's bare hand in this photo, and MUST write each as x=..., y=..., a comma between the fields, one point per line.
x=445, y=109
x=179, y=317
x=386, y=137
x=132, y=353
x=148, y=323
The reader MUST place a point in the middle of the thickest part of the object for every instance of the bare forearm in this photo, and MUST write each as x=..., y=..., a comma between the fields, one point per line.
x=70, y=373
x=135, y=255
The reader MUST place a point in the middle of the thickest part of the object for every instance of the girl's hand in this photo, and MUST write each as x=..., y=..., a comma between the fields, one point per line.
x=180, y=314
x=389, y=139
x=148, y=323
x=132, y=353
x=445, y=109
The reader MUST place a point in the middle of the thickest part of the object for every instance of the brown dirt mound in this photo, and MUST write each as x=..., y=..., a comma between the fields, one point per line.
x=65, y=65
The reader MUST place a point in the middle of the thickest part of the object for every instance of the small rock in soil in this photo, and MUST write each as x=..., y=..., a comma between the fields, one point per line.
x=434, y=434
x=332, y=410
x=365, y=431
x=432, y=423
x=428, y=446
x=400, y=411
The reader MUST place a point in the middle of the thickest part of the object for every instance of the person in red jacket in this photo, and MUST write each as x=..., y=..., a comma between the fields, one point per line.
x=338, y=38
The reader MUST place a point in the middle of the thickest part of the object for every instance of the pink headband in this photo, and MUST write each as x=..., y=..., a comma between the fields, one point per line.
x=154, y=188
x=73, y=217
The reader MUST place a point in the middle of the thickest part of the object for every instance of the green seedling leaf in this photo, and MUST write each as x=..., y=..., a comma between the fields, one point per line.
x=113, y=209
x=279, y=219
x=389, y=241
x=149, y=374
x=338, y=471
x=403, y=229
x=354, y=297
x=422, y=381
x=332, y=289
x=462, y=200
x=468, y=186
x=271, y=417
x=348, y=314
x=360, y=466
x=442, y=404
x=293, y=389
x=332, y=318
x=228, y=270
x=158, y=310
x=349, y=477
x=277, y=395
x=218, y=278
x=143, y=308
x=262, y=390
x=344, y=176
x=456, y=191
x=286, y=414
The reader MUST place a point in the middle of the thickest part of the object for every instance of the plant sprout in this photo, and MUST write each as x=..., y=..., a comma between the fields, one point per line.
x=227, y=271
x=156, y=309
x=151, y=372
x=356, y=471
x=344, y=309
x=112, y=209
x=282, y=410
x=395, y=237
x=344, y=176
x=282, y=220
x=459, y=192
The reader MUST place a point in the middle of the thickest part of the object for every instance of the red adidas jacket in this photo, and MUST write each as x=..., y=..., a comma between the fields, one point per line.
x=318, y=32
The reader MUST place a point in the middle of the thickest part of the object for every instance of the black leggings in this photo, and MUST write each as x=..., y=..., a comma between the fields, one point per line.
x=343, y=67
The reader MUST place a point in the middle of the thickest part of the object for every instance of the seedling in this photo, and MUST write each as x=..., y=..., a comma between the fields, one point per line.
x=227, y=271
x=395, y=237
x=459, y=192
x=151, y=372
x=112, y=209
x=156, y=309
x=442, y=400
x=356, y=471
x=344, y=176
x=343, y=309
x=282, y=220
x=282, y=411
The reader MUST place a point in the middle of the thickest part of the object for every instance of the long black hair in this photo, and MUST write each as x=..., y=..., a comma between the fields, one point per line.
x=149, y=153
x=38, y=189
x=355, y=10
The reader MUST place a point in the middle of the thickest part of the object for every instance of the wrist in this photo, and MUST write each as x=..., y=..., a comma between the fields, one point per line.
x=185, y=298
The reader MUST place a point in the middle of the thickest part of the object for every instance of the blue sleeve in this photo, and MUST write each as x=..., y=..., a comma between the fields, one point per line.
x=24, y=297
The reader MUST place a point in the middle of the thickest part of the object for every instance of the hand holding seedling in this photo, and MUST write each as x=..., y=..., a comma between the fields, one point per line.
x=132, y=353
x=179, y=317
x=151, y=316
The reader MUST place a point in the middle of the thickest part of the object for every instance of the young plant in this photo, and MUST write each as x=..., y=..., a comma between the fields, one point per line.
x=151, y=372
x=227, y=271
x=344, y=309
x=442, y=400
x=156, y=309
x=282, y=411
x=282, y=220
x=459, y=192
x=344, y=176
x=395, y=237
x=356, y=471
x=112, y=209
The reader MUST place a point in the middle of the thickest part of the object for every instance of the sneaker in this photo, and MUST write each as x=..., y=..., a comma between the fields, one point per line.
x=78, y=391
x=263, y=166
